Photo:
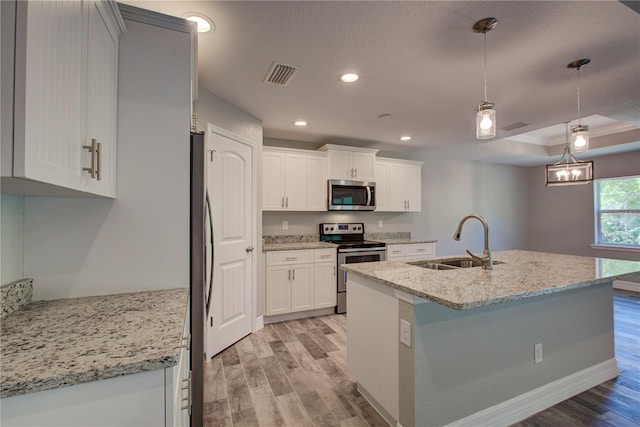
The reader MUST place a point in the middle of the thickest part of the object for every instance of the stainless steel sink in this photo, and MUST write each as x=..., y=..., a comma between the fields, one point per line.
x=449, y=264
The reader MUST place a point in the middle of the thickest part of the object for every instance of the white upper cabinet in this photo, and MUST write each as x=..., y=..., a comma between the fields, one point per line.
x=65, y=87
x=398, y=185
x=351, y=163
x=293, y=180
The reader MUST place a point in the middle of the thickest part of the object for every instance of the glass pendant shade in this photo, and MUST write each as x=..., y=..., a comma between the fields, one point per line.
x=569, y=171
x=486, y=120
x=579, y=139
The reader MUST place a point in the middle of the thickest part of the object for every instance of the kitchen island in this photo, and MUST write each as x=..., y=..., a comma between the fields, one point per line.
x=480, y=347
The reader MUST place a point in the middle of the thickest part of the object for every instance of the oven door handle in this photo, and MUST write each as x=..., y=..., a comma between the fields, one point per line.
x=360, y=251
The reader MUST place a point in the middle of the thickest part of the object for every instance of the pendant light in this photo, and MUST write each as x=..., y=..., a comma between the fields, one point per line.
x=579, y=132
x=486, y=111
x=569, y=170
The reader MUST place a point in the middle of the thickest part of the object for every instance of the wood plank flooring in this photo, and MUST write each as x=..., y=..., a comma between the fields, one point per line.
x=294, y=374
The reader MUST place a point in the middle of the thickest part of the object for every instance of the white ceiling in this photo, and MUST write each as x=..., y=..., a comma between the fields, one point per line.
x=421, y=62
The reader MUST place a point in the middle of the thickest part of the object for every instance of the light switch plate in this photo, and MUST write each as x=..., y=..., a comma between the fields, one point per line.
x=405, y=332
x=537, y=358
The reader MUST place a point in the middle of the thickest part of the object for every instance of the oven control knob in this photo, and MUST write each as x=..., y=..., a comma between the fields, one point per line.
x=331, y=228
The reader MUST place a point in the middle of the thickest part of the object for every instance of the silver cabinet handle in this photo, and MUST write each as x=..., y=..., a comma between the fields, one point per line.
x=334, y=271
x=286, y=204
x=289, y=274
x=99, y=161
x=92, y=149
x=408, y=204
x=294, y=274
x=291, y=258
x=249, y=249
x=356, y=172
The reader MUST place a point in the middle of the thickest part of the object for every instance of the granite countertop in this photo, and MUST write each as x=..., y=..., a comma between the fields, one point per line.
x=51, y=344
x=523, y=274
x=268, y=247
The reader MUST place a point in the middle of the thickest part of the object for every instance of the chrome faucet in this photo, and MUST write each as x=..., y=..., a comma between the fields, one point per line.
x=485, y=259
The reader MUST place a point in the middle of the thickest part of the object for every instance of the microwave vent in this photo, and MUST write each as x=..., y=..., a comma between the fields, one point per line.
x=280, y=74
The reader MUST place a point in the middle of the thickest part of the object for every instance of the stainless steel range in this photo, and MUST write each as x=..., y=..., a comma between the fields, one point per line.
x=352, y=248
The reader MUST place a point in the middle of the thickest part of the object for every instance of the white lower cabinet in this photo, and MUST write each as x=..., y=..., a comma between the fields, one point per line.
x=300, y=280
x=410, y=251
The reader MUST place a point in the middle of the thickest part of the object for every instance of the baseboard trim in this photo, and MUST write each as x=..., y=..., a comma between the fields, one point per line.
x=626, y=286
x=378, y=407
x=299, y=315
x=534, y=401
x=259, y=323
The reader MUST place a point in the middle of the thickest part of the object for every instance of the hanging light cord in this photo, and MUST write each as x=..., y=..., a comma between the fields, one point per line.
x=579, y=123
x=484, y=37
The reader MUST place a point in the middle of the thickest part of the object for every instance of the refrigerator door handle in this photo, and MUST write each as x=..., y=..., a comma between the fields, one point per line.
x=210, y=291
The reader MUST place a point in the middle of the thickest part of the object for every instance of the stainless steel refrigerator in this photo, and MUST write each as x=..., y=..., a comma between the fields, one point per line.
x=201, y=271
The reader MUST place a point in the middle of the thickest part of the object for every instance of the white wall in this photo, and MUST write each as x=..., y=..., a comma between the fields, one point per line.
x=139, y=241
x=451, y=189
x=11, y=235
x=562, y=218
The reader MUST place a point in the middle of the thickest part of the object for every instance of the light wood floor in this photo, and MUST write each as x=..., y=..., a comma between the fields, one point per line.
x=294, y=374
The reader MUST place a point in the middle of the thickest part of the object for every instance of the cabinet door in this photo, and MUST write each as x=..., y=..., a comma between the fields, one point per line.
x=278, y=292
x=295, y=182
x=302, y=285
x=325, y=285
x=397, y=188
x=420, y=250
x=102, y=94
x=50, y=92
x=317, y=184
x=364, y=166
x=341, y=164
x=272, y=181
x=382, y=186
x=413, y=186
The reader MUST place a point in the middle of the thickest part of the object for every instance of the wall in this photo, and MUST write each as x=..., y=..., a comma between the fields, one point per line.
x=215, y=110
x=139, y=241
x=562, y=218
x=11, y=235
x=451, y=189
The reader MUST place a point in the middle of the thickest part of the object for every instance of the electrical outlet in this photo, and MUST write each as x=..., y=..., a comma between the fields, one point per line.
x=537, y=358
x=380, y=223
x=405, y=332
x=285, y=225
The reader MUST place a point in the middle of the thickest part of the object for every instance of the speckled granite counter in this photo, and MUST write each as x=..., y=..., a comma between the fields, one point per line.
x=404, y=241
x=524, y=274
x=15, y=295
x=297, y=246
x=51, y=344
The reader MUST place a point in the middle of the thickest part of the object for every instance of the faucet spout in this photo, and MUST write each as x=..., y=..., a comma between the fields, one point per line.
x=486, y=259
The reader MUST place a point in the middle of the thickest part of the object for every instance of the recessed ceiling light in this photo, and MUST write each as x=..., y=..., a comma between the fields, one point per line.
x=300, y=123
x=205, y=24
x=349, y=77
x=405, y=138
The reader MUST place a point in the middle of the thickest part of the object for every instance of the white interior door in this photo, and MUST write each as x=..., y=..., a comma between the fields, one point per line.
x=231, y=185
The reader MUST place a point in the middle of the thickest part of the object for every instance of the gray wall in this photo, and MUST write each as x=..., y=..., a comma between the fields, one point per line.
x=562, y=218
x=11, y=235
x=140, y=240
x=451, y=189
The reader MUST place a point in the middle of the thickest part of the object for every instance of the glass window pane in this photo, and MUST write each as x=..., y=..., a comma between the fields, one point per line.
x=622, y=193
x=620, y=228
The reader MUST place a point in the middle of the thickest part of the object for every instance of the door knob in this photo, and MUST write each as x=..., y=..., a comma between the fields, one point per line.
x=249, y=249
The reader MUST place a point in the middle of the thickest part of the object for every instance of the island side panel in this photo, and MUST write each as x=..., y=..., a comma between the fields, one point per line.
x=372, y=340
x=470, y=360
x=406, y=370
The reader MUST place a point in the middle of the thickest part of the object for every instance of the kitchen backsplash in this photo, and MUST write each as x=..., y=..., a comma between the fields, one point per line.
x=15, y=295
x=291, y=238
x=400, y=235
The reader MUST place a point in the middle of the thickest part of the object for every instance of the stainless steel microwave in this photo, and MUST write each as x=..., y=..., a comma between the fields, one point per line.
x=347, y=195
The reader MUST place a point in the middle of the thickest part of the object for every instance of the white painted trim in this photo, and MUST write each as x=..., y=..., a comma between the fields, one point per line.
x=378, y=407
x=258, y=323
x=626, y=286
x=615, y=248
x=299, y=315
x=534, y=401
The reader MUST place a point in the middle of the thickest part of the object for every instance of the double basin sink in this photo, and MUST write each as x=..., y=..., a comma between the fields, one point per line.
x=450, y=264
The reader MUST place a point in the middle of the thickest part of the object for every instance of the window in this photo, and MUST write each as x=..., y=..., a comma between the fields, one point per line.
x=617, y=212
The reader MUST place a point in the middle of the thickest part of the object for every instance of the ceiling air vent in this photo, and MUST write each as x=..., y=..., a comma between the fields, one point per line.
x=514, y=126
x=280, y=74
